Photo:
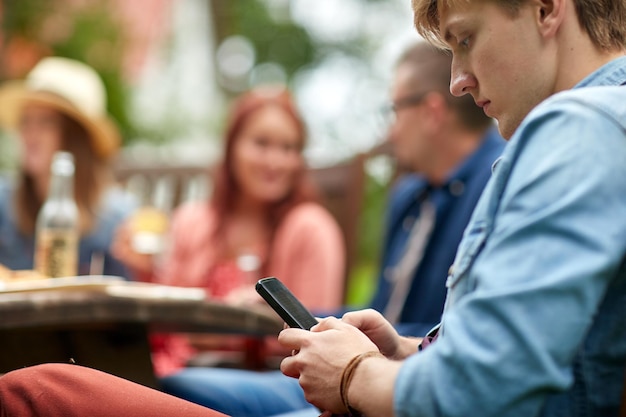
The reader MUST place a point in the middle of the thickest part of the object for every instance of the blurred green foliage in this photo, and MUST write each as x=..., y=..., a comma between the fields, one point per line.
x=92, y=34
x=371, y=234
x=99, y=41
x=281, y=42
x=24, y=17
x=88, y=33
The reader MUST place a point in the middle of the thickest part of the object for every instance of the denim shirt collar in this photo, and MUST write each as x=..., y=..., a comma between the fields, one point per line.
x=612, y=73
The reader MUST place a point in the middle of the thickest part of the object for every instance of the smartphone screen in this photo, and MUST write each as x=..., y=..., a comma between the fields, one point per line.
x=285, y=303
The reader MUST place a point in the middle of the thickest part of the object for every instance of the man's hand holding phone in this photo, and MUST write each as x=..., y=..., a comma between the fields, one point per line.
x=323, y=353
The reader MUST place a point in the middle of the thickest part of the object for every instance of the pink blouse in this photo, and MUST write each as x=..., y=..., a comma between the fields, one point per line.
x=308, y=256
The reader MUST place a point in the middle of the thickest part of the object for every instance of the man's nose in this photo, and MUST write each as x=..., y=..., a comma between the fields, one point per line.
x=461, y=82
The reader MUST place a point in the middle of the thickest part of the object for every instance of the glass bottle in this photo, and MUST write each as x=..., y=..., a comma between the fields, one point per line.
x=57, y=227
x=149, y=223
x=249, y=265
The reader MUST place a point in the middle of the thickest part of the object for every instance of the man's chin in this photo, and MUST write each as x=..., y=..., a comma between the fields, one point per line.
x=505, y=130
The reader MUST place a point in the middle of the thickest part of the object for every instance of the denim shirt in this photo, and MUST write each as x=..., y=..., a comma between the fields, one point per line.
x=17, y=250
x=535, y=318
x=454, y=202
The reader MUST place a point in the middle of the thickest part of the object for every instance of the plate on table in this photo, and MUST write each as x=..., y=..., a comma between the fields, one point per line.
x=30, y=281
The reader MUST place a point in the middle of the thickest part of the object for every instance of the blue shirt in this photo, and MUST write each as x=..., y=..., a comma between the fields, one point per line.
x=454, y=202
x=17, y=250
x=535, y=319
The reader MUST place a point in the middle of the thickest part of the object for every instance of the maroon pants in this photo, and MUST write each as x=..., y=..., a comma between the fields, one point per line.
x=60, y=390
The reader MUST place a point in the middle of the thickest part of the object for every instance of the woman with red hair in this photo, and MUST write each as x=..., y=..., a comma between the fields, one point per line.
x=262, y=219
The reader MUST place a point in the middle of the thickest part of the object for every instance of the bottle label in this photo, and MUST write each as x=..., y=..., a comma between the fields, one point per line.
x=57, y=253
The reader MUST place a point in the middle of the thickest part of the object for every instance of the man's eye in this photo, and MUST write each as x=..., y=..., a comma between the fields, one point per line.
x=465, y=42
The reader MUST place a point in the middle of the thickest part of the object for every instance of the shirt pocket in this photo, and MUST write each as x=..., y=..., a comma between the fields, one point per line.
x=460, y=281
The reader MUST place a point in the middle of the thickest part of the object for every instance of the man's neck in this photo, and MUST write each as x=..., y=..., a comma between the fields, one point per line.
x=578, y=56
x=456, y=147
x=568, y=78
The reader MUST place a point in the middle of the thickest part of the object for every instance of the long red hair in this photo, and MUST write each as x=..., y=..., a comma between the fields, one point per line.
x=225, y=187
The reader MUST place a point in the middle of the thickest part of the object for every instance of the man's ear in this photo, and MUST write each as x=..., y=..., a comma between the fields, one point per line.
x=550, y=15
x=437, y=107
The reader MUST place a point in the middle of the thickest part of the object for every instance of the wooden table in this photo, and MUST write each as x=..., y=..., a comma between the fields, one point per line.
x=105, y=325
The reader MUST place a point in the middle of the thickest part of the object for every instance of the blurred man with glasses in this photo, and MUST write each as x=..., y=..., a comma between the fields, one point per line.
x=446, y=145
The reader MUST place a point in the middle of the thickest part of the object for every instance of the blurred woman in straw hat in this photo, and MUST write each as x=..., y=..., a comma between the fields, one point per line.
x=61, y=105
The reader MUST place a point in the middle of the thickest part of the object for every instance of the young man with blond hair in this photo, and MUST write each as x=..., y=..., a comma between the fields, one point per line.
x=535, y=318
x=535, y=321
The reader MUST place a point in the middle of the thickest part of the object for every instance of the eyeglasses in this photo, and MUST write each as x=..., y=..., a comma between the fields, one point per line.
x=390, y=111
x=409, y=101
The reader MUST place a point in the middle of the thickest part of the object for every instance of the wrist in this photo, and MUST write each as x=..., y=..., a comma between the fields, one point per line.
x=371, y=389
x=348, y=375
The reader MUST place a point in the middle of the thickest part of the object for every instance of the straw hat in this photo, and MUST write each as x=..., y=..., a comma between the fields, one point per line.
x=70, y=87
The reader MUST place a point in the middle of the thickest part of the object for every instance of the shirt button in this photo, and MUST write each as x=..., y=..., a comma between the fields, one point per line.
x=456, y=188
x=495, y=164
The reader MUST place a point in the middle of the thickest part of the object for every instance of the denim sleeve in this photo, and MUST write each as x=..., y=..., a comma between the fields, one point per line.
x=530, y=295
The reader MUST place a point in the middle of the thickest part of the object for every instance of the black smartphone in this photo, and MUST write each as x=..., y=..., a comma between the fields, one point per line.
x=285, y=303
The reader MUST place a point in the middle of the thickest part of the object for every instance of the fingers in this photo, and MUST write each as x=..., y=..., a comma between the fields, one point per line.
x=289, y=367
x=363, y=319
x=377, y=329
x=327, y=323
x=293, y=338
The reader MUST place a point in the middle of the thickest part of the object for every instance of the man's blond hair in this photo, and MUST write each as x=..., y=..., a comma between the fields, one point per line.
x=603, y=20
